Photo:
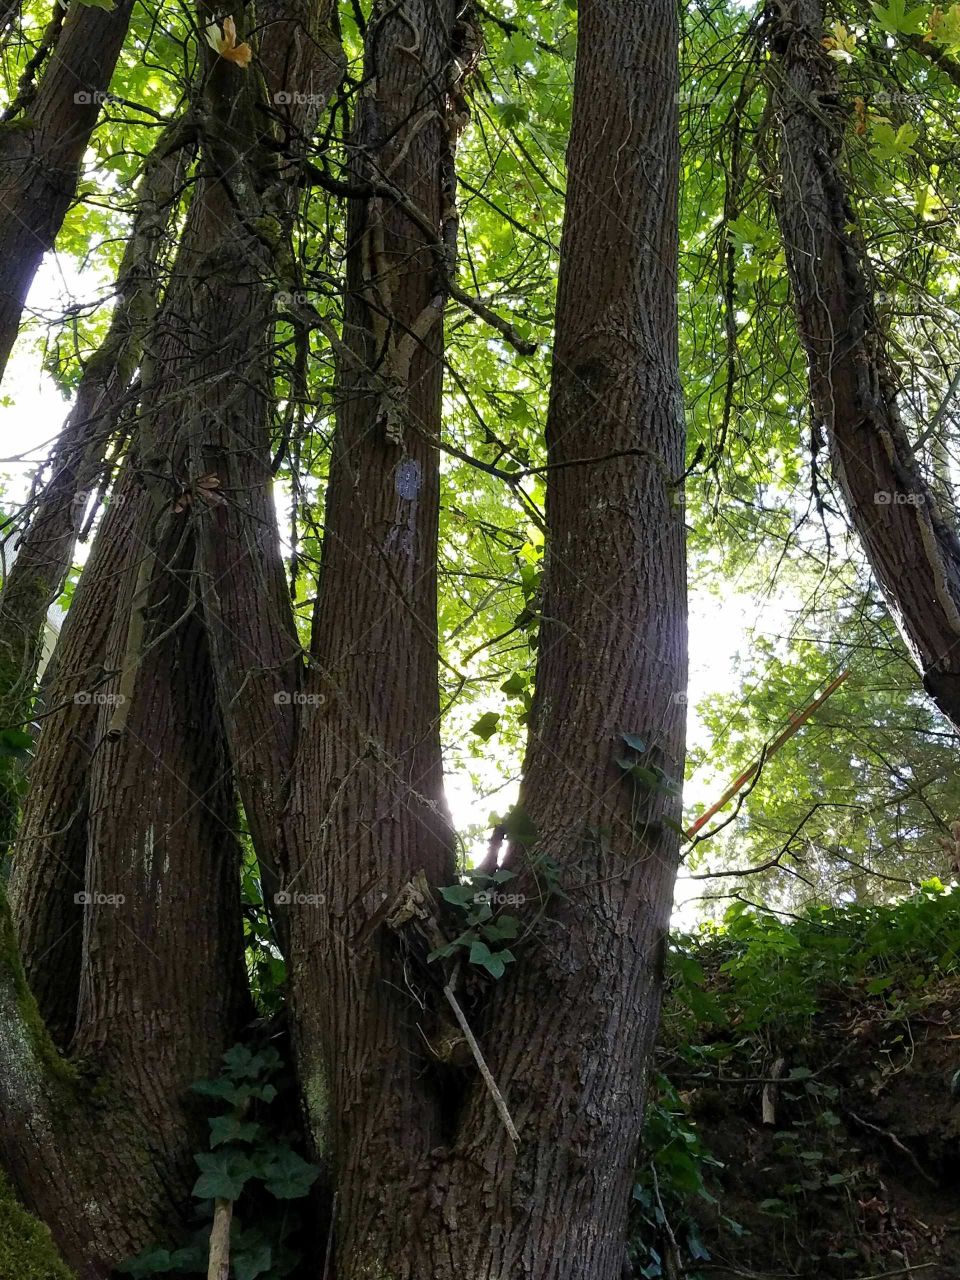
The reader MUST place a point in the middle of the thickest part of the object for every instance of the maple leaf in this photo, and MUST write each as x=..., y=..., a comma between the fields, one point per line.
x=841, y=44
x=225, y=43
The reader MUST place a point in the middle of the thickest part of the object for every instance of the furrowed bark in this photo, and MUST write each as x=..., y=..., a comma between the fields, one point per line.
x=612, y=657
x=40, y=159
x=367, y=809
x=569, y=1029
x=49, y=863
x=140, y=861
x=249, y=198
x=82, y=1161
x=913, y=551
x=45, y=551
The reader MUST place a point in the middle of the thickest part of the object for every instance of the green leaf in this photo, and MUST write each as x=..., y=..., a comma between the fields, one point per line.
x=15, y=742
x=288, y=1176
x=231, y=1129
x=518, y=826
x=487, y=725
x=151, y=1263
x=514, y=684
x=459, y=894
x=253, y=1261
x=223, y=1175
x=896, y=19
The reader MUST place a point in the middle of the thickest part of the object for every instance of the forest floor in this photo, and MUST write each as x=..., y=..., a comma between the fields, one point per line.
x=849, y=1165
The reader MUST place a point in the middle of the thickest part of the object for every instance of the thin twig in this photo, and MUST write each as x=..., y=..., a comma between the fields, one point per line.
x=488, y=1079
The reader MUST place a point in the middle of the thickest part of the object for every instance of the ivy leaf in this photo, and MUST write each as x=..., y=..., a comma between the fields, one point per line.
x=495, y=962
x=518, y=826
x=153, y=1262
x=459, y=894
x=288, y=1176
x=514, y=684
x=223, y=1175
x=231, y=1129
x=253, y=1261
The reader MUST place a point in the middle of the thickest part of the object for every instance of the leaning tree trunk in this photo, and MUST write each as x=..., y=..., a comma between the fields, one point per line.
x=913, y=551
x=40, y=161
x=44, y=552
x=429, y=1181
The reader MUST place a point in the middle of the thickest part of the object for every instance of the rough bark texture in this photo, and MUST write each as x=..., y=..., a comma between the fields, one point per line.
x=40, y=162
x=49, y=866
x=44, y=553
x=913, y=551
x=367, y=807
x=246, y=606
x=566, y=1032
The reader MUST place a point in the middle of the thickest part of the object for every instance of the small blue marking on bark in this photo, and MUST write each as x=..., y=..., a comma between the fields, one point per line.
x=407, y=479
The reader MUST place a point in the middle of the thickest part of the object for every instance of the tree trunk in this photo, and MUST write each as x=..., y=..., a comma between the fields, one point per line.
x=367, y=809
x=913, y=551
x=567, y=1031
x=44, y=553
x=40, y=162
x=229, y=420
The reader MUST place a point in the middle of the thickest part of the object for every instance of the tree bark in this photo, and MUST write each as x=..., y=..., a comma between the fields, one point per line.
x=566, y=1033
x=44, y=552
x=913, y=551
x=367, y=809
x=40, y=161
x=229, y=420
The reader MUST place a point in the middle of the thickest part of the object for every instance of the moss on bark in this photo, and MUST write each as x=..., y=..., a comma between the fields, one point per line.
x=27, y=1250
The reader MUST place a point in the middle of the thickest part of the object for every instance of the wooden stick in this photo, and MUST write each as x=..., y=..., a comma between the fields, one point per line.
x=491, y=1084
x=219, y=1264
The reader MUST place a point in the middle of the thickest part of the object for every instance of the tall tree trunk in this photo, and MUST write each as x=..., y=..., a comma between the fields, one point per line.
x=913, y=551
x=569, y=1029
x=51, y=848
x=40, y=162
x=367, y=809
x=429, y=1180
x=246, y=605
x=44, y=552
